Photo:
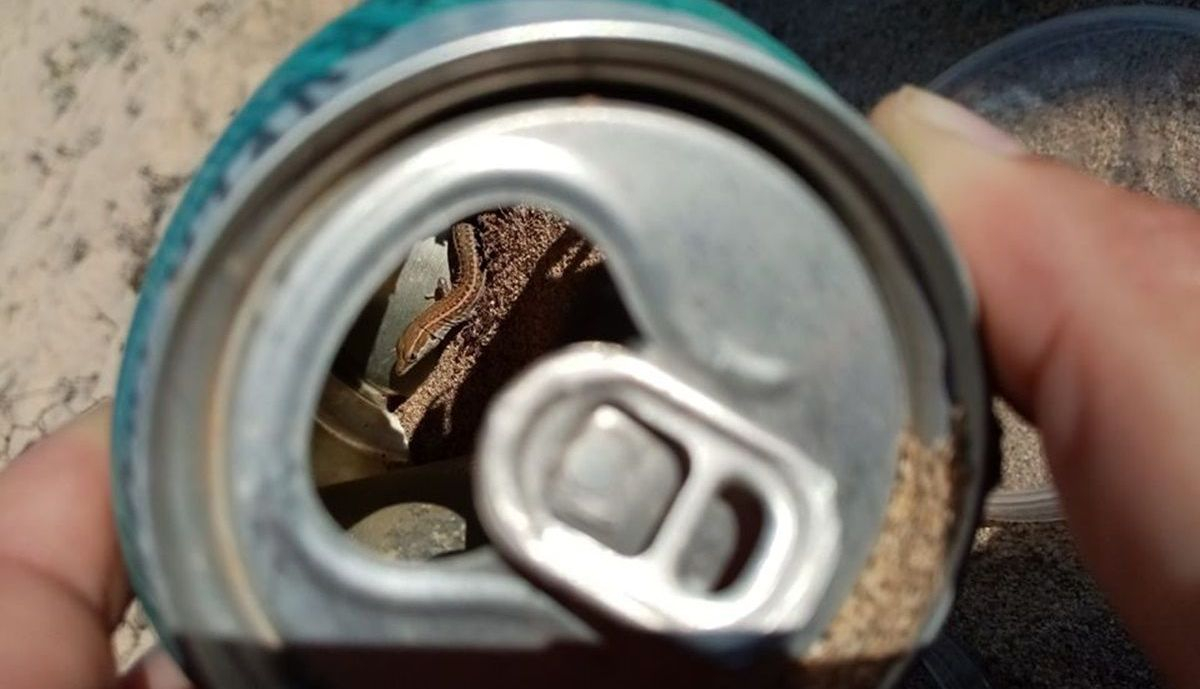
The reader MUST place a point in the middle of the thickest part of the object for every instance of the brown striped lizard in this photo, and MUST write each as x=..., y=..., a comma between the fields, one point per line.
x=453, y=307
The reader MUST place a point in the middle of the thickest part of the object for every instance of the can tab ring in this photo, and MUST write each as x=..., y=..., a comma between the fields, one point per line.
x=630, y=489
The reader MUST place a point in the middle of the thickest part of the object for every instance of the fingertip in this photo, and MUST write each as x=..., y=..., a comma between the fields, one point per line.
x=913, y=117
x=975, y=175
x=94, y=425
x=1087, y=295
x=56, y=497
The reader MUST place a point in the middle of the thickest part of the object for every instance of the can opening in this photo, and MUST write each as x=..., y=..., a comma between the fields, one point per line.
x=470, y=307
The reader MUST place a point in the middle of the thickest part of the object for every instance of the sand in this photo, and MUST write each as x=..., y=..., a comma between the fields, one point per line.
x=1024, y=466
x=896, y=591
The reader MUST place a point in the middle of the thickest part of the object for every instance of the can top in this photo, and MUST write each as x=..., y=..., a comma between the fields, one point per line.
x=776, y=262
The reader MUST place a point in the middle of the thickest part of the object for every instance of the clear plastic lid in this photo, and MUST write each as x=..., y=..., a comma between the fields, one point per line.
x=1115, y=92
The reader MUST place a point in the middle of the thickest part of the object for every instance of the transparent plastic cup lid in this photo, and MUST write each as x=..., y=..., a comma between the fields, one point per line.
x=1115, y=92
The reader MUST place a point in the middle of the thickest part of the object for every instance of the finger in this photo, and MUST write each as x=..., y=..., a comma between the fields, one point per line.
x=55, y=502
x=62, y=586
x=50, y=637
x=1089, y=299
x=156, y=670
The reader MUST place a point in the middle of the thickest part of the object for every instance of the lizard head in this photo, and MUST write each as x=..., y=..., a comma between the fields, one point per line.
x=410, y=350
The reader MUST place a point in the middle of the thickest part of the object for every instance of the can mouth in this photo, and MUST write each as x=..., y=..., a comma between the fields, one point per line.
x=390, y=451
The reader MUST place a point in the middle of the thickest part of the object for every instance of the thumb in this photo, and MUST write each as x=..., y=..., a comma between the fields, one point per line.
x=1089, y=298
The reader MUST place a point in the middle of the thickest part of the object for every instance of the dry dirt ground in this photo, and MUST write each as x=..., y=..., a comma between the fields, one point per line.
x=109, y=105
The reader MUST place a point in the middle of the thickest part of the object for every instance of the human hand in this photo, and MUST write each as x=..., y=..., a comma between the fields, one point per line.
x=62, y=583
x=1090, y=300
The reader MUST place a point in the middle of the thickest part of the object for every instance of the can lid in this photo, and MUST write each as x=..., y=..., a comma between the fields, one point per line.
x=709, y=238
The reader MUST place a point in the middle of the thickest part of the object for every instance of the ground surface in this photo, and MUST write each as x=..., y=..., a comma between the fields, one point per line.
x=110, y=104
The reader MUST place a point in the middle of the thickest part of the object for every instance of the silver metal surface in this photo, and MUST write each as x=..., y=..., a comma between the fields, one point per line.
x=354, y=436
x=774, y=259
x=534, y=431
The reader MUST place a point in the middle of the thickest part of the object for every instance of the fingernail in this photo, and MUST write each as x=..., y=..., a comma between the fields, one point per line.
x=952, y=118
x=96, y=419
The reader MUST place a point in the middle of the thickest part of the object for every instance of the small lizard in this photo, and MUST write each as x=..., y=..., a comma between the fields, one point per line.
x=453, y=306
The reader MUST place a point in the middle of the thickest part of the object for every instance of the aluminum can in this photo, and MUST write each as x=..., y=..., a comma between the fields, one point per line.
x=771, y=480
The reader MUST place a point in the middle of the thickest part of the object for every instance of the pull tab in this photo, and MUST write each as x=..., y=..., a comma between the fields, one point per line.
x=653, y=502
